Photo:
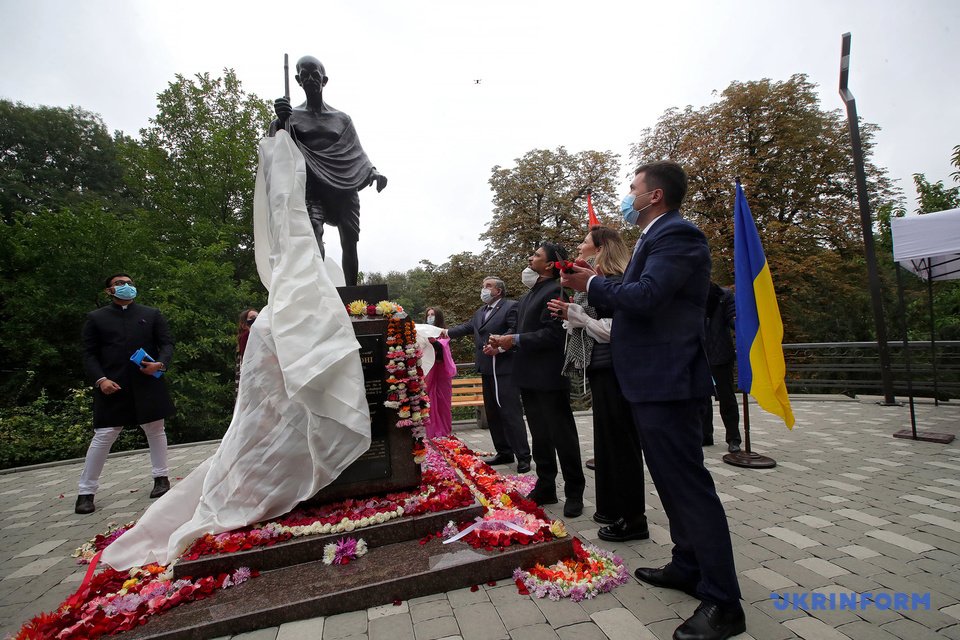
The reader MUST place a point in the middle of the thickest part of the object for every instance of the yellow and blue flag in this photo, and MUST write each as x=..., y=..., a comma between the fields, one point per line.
x=761, y=369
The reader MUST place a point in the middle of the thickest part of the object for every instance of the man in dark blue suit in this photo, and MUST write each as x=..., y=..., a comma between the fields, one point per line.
x=661, y=364
x=501, y=396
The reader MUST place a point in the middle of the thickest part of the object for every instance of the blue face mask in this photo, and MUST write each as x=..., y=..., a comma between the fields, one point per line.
x=125, y=292
x=626, y=208
x=630, y=214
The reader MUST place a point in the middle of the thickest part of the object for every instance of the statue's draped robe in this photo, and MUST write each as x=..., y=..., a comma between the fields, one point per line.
x=301, y=415
x=334, y=159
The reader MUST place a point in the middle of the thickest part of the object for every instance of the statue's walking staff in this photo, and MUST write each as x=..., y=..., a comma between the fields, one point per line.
x=286, y=85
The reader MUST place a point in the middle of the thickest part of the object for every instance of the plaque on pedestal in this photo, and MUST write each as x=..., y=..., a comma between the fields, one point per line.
x=388, y=464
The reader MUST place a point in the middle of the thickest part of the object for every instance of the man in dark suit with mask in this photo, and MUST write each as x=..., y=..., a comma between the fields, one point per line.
x=661, y=364
x=538, y=368
x=501, y=397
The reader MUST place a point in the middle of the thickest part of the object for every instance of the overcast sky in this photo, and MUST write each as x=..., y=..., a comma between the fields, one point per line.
x=587, y=75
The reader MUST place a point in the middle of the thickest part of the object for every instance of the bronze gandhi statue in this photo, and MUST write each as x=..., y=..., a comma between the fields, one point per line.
x=337, y=167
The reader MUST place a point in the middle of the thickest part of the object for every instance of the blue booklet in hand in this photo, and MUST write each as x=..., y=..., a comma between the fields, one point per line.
x=139, y=356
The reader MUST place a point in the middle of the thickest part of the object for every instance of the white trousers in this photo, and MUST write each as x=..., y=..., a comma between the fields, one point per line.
x=103, y=439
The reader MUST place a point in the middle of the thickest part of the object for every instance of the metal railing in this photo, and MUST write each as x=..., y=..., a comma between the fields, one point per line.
x=853, y=368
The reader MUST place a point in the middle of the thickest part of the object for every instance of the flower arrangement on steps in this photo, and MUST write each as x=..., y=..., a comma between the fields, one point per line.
x=453, y=475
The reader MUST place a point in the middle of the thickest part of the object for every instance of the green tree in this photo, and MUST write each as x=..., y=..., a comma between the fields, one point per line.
x=410, y=289
x=192, y=171
x=65, y=223
x=193, y=167
x=543, y=198
x=54, y=264
x=179, y=222
x=50, y=157
x=797, y=169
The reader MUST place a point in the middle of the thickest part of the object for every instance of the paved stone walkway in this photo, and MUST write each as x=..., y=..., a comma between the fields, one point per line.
x=847, y=509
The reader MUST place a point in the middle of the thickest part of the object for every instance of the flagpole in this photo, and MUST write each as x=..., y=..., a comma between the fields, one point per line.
x=745, y=457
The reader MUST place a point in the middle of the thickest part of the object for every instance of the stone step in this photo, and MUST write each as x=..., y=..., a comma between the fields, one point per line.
x=388, y=573
x=310, y=548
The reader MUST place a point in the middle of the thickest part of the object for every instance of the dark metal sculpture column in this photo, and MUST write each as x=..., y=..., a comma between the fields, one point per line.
x=866, y=222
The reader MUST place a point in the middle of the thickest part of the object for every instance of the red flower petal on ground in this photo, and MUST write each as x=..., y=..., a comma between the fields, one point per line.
x=521, y=588
x=475, y=588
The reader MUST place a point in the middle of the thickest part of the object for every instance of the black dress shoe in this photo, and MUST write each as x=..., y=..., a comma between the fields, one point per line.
x=712, y=621
x=667, y=577
x=573, y=507
x=619, y=531
x=599, y=518
x=591, y=464
x=160, y=486
x=500, y=458
x=543, y=496
x=733, y=447
x=523, y=466
x=84, y=504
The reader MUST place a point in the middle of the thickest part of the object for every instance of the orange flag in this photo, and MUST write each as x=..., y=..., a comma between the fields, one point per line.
x=593, y=216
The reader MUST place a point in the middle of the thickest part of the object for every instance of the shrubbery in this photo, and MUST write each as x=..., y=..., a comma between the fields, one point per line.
x=48, y=429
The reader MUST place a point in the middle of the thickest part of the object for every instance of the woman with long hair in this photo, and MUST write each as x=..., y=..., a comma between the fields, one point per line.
x=439, y=387
x=620, y=502
x=244, y=322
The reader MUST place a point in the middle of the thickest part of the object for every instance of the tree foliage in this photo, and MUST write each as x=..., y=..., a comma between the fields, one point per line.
x=52, y=157
x=173, y=208
x=795, y=162
x=410, y=289
x=543, y=197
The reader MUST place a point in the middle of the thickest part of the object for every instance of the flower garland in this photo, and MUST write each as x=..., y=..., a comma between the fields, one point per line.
x=384, y=308
x=115, y=601
x=440, y=490
x=406, y=390
x=344, y=550
x=590, y=572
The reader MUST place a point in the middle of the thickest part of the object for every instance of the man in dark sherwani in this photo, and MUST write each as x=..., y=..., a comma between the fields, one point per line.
x=125, y=394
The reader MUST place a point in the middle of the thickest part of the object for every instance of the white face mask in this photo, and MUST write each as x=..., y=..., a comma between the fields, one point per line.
x=485, y=296
x=431, y=319
x=529, y=277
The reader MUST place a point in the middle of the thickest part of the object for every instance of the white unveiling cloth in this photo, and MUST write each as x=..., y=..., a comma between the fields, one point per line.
x=301, y=415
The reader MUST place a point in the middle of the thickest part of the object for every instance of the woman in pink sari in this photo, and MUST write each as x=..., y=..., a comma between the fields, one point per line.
x=438, y=380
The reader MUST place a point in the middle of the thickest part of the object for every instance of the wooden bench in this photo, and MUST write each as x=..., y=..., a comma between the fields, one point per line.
x=468, y=392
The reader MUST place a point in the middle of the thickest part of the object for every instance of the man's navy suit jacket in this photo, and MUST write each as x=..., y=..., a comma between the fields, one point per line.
x=502, y=320
x=658, y=335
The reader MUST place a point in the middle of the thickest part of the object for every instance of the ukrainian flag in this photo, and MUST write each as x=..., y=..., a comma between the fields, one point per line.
x=760, y=365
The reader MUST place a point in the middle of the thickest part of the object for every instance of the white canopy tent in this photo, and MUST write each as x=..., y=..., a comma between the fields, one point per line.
x=929, y=246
